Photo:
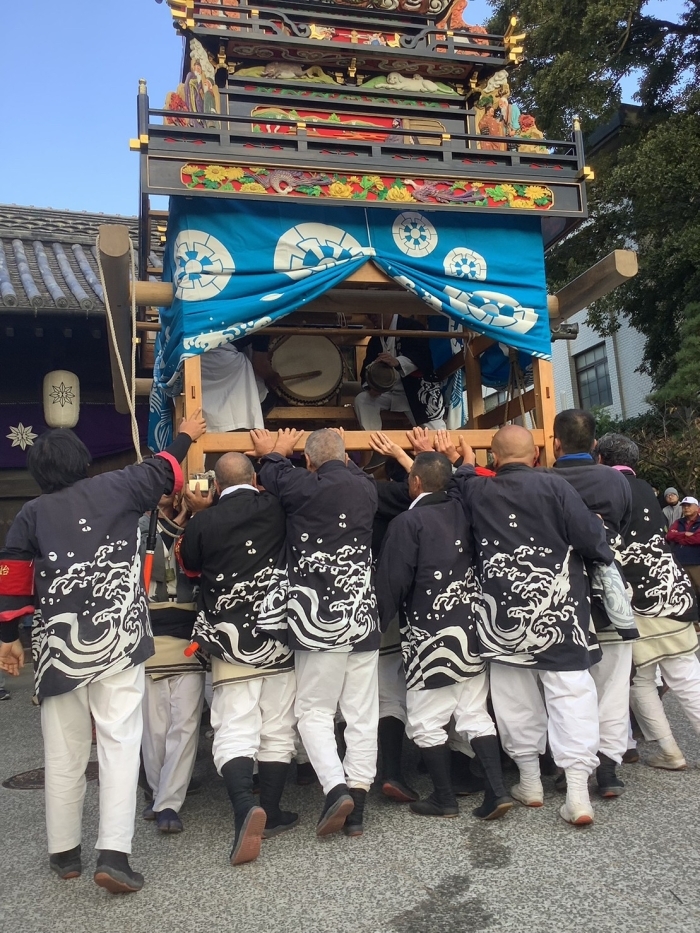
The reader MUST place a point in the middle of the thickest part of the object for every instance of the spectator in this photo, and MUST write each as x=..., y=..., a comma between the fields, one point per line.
x=672, y=508
x=4, y=694
x=684, y=538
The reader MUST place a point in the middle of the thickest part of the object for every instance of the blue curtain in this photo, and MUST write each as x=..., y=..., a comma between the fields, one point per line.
x=239, y=266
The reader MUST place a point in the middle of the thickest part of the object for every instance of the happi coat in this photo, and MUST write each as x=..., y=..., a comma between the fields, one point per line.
x=322, y=597
x=532, y=532
x=82, y=544
x=235, y=546
x=426, y=573
x=663, y=597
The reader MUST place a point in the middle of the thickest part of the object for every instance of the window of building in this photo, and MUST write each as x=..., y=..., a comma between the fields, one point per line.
x=593, y=378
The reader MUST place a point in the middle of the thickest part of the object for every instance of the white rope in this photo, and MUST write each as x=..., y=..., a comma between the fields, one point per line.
x=129, y=390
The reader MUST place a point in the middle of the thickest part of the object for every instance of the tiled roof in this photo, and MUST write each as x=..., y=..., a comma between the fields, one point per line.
x=47, y=259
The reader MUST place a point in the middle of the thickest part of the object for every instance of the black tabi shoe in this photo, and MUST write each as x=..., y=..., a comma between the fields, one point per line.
x=609, y=784
x=168, y=821
x=390, y=735
x=497, y=801
x=464, y=781
x=631, y=757
x=560, y=781
x=249, y=818
x=337, y=806
x=442, y=802
x=547, y=764
x=273, y=775
x=306, y=774
x=353, y=821
x=67, y=864
x=148, y=813
x=114, y=873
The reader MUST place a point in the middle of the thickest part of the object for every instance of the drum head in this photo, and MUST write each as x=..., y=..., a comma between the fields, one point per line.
x=295, y=356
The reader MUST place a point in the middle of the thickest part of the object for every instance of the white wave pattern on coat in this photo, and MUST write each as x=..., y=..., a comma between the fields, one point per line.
x=668, y=587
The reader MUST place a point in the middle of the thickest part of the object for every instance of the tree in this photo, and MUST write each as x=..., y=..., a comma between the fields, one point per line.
x=647, y=189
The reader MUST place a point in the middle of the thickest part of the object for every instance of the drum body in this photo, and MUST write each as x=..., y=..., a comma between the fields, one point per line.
x=299, y=356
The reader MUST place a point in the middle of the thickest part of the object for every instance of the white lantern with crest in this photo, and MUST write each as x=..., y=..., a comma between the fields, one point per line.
x=61, y=399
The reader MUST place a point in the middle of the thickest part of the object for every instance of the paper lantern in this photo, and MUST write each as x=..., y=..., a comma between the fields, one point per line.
x=61, y=399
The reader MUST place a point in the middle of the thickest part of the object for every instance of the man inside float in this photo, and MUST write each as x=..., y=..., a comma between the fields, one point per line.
x=234, y=548
x=607, y=494
x=533, y=533
x=230, y=392
x=398, y=375
x=74, y=553
x=427, y=575
x=323, y=606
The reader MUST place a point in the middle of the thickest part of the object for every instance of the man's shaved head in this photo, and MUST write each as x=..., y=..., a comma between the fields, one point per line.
x=234, y=469
x=324, y=445
x=513, y=444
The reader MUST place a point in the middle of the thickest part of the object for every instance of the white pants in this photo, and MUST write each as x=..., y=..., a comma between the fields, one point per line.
x=524, y=723
x=612, y=683
x=429, y=712
x=115, y=705
x=254, y=719
x=683, y=678
x=326, y=680
x=392, y=686
x=172, y=709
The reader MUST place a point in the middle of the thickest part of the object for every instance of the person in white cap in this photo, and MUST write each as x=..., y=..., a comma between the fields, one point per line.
x=684, y=538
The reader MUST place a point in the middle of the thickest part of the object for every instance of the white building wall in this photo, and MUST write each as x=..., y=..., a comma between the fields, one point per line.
x=624, y=351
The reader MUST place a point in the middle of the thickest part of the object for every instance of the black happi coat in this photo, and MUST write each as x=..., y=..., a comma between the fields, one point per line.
x=235, y=545
x=533, y=533
x=660, y=586
x=423, y=388
x=606, y=493
x=170, y=615
x=426, y=573
x=92, y=619
x=322, y=598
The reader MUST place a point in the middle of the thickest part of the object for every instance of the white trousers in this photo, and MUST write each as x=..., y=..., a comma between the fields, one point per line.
x=392, y=686
x=570, y=716
x=429, y=712
x=254, y=719
x=326, y=680
x=172, y=709
x=683, y=678
x=115, y=705
x=612, y=682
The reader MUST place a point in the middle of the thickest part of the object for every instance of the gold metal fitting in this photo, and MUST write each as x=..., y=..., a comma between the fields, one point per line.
x=586, y=173
x=134, y=145
x=143, y=88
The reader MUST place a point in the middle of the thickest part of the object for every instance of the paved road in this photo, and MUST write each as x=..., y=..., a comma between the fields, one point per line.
x=637, y=870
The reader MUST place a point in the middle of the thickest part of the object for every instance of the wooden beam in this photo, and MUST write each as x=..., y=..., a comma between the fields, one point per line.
x=545, y=408
x=193, y=401
x=506, y=412
x=473, y=388
x=617, y=268
x=369, y=274
x=113, y=245
x=296, y=413
x=153, y=294
x=295, y=331
x=354, y=440
x=144, y=386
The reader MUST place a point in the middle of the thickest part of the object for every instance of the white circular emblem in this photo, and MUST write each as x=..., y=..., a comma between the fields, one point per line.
x=463, y=263
x=310, y=247
x=414, y=234
x=493, y=308
x=203, y=266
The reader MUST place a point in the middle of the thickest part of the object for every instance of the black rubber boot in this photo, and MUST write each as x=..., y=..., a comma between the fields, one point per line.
x=114, y=873
x=497, y=800
x=464, y=781
x=273, y=775
x=391, y=733
x=249, y=818
x=609, y=784
x=66, y=864
x=336, y=807
x=353, y=821
x=442, y=801
x=306, y=774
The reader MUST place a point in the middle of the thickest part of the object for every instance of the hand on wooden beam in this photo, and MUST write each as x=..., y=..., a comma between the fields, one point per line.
x=287, y=439
x=263, y=443
x=443, y=445
x=420, y=440
x=381, y=444
x=467, y=452
x=194, y=426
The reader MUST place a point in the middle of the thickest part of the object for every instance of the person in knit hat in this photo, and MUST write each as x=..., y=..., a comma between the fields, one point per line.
x=672, y=510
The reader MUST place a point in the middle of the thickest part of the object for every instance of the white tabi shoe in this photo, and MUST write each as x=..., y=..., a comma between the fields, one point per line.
x=668, y=762
x=577, y=810
x=529, y=793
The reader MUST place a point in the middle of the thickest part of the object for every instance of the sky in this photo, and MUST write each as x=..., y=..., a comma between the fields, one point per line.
x=70, y=74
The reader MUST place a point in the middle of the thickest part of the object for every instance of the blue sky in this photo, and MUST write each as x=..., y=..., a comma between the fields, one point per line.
x=70, y=75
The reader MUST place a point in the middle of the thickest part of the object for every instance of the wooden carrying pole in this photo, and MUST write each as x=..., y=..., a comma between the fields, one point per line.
x=114, y=251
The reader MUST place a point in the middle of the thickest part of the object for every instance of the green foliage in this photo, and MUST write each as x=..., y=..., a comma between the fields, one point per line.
x=684, y=385
x=647, y=189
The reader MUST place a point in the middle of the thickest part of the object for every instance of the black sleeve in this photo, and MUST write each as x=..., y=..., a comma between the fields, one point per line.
x=396, y=570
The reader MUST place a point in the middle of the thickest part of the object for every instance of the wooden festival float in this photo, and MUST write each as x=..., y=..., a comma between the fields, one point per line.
x=330, y=164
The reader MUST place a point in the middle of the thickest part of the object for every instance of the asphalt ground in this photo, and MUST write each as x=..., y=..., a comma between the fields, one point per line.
x=636, y=870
